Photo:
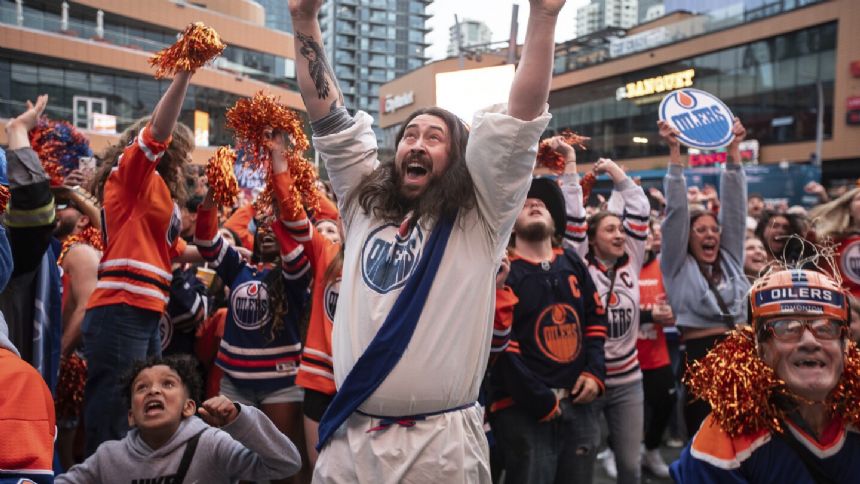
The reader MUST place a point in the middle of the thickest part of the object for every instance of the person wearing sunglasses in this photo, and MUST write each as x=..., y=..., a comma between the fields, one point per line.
x=798, y=424
x=703, y=258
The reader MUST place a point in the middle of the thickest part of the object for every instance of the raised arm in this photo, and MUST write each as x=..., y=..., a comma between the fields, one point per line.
x=168, y=108
x=317, y=83
x=733, y=198
x=676, y=226
x=530, y=89
x=635, y=212
x=30, y=214
x=140, y=159
x=575, y=230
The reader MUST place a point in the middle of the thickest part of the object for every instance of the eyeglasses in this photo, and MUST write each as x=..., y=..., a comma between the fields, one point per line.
x=702, y=230
x=791, y=330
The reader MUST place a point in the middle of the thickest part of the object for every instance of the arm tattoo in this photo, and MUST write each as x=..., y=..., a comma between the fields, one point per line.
x=318, y=66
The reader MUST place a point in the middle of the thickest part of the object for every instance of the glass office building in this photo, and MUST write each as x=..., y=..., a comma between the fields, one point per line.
x=371, y=42
x=771, y=84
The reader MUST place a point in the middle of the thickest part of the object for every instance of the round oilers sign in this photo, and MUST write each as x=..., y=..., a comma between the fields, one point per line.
x=703, y=120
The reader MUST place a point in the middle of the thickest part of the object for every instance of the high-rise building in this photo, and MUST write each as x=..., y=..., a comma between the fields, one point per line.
x=277, y=15
x=90, y=57
x=370, y=43
x=600, y=14
x=649, y=10
x=472, y=33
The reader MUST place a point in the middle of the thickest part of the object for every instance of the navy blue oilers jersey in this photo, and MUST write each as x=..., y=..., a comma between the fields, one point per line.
x=250, y=353
x=557, y=333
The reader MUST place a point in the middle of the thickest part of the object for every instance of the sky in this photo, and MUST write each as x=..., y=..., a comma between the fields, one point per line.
x=496, y=14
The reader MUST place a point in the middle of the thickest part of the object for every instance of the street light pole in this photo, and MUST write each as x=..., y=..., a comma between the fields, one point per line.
x=819, y=122
x=512, y=39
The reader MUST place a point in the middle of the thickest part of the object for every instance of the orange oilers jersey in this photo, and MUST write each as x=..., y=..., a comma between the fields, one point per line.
x=27, y=422
x=651, y=345
x=141, y=224
x=316, y=371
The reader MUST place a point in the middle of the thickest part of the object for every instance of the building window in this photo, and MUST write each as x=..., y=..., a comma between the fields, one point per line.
x=770, y=84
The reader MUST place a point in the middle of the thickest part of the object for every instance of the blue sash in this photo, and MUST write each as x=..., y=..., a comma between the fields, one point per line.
x=390, y=342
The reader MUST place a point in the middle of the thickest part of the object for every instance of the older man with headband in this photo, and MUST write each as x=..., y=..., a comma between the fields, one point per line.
x=784, y=393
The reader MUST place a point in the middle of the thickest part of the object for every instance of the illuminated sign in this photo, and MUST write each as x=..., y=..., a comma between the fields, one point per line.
x=104, y=123
x=393, y=103
x=201, y=128
x=656, y=85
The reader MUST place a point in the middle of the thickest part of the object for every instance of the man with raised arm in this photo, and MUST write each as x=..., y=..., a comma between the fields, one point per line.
x=426, y=232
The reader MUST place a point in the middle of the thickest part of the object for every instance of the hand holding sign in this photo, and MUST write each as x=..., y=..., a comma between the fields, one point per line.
x=739, y=133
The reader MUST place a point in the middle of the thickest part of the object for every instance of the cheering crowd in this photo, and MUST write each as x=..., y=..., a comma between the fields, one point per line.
x=467, y=311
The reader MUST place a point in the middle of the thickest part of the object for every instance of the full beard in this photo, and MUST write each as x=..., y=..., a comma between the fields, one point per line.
x=534, y=231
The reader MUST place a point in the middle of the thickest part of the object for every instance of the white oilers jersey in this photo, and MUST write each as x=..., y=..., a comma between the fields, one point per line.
x=622, y=305
x=445, y=361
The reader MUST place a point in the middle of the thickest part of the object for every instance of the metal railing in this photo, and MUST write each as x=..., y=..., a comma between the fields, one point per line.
x=49, y=22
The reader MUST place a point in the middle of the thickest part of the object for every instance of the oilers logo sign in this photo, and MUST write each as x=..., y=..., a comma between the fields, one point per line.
x=704, y=122
x=389, y=256
x=250, y=303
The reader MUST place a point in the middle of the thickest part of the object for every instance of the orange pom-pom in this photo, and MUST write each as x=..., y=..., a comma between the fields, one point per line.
x=254, y=120
x=553, y=160
x=587, y=183
x=221, y=177
x=845, y=399
x=90, y=236
x=70, y=387
x=197, y=46
x=738, y=385
x=743, y=390
x=4, y=198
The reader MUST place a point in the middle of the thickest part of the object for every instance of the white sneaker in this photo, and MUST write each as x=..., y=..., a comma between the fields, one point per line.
x=607, y=460
x=653, y=462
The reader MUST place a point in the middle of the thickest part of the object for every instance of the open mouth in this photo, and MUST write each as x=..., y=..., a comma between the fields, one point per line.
x=810, y=364
x=153, y=407
x=709, y=249
x=416, y=168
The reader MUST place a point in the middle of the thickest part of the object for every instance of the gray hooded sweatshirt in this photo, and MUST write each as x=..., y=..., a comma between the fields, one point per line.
x=249, y=448
x=693, y=302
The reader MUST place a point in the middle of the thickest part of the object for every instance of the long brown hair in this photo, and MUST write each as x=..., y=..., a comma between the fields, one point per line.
x=378, y=194
x=833, y=219
x=169, y=166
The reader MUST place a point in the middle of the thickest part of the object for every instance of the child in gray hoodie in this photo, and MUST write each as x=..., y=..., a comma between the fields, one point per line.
x=168, y=444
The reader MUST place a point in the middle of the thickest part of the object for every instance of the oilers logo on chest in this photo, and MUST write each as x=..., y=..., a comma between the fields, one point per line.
x=175, y=224
x=703, y=120
x=250, y=303
x=390, y=255
x=330, y=295
x=849, y=261
x=165, y=330
x=558, y=333
x=619, y=313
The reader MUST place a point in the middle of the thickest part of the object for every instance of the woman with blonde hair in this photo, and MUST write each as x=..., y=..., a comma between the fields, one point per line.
x=839, y=222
